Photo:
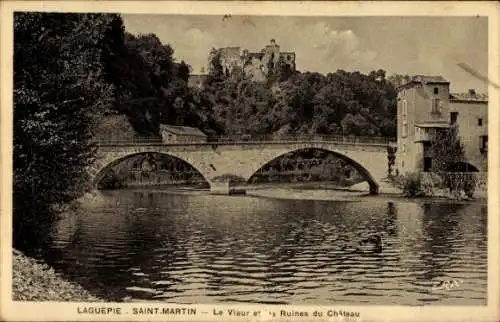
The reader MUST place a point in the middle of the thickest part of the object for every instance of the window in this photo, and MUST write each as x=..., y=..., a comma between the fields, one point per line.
x=480, y=122
x=436, y=90
x=484, y=144
x=436, y=105
x=427, y=148
x=404, y=147
x=404, y=108
x=405, y=129
x=427, y=164
x=453, y=117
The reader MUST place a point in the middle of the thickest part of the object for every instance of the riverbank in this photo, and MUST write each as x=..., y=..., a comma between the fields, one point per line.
x=32, y=281
x=304, y=191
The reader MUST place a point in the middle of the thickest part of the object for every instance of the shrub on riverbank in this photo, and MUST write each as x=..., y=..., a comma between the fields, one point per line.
x=412, y=185
x=112, y=180
x=32, y=281
x=427, y=184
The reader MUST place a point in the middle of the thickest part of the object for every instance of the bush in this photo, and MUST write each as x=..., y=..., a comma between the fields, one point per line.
x=459, y=183
x=412, y=185
x=469, y=187
x=112, y=180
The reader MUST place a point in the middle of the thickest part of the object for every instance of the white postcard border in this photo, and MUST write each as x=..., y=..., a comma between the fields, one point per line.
x=48, y=311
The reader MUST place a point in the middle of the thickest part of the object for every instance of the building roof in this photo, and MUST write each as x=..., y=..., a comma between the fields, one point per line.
x=470, y=96
x=428, y=79
x=183, y=130
x=424, y=79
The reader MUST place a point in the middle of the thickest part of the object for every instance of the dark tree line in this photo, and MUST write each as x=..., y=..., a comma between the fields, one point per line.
x=150, y=86
x=59, y=93
x=339, y=103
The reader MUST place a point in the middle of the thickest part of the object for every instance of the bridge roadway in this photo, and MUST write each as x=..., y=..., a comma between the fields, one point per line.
x=218, y=160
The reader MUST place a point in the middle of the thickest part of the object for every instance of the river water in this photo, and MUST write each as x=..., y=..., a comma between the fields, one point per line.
x=193, y=247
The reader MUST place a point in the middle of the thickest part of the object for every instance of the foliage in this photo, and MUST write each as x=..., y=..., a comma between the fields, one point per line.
x=114, y=127
x=459, y=184
x=151, y=87
x=448, y=154
x=339, y=103
x=216, y=71
x=446, y=150
x=112, y=180
x=412, y=185
x=59, y=92
x=397, y=80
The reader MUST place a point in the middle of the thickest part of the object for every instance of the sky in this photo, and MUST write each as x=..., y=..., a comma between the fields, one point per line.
x=404, y=45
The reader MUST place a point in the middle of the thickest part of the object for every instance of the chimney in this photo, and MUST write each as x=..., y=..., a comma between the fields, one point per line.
x=472, y=92
x=273, y=41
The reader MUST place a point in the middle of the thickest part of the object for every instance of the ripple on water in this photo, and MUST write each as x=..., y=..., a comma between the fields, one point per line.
x=202, y=249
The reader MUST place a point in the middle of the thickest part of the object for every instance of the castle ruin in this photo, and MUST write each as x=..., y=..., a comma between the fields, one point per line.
x=254, y=65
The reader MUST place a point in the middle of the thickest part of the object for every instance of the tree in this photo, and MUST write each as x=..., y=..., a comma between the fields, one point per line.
x=397, y=79
x=182, y=71
x=59, y=93
x=446, y=150
x=215, y=68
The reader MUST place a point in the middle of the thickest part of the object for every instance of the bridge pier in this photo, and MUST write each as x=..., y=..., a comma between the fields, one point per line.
x=219, y=188
x=373, y=189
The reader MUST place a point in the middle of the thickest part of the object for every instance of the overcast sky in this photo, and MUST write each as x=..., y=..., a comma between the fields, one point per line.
x=409, y=45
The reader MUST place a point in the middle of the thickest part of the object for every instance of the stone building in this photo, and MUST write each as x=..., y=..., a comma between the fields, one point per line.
x=181, y=134
x=254, y=65
x=425, y=106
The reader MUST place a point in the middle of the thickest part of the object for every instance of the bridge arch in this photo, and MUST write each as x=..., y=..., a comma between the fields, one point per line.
x=101, y=172
x=362, y=170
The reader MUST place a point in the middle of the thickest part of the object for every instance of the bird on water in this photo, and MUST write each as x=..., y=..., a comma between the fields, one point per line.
x=372, y=243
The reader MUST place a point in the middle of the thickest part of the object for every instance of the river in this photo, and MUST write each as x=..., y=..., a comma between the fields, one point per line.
x=192, y=247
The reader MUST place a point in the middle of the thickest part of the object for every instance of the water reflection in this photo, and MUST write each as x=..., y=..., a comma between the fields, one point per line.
x=197, y=248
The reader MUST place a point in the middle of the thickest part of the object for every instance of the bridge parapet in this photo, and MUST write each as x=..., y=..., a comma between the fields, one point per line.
x=302, y=138
x=246, y=139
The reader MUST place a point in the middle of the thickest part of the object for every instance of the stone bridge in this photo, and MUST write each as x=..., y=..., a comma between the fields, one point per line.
x=242, y=159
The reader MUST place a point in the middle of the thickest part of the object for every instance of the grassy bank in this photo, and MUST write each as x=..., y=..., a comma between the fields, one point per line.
x=32, y=281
